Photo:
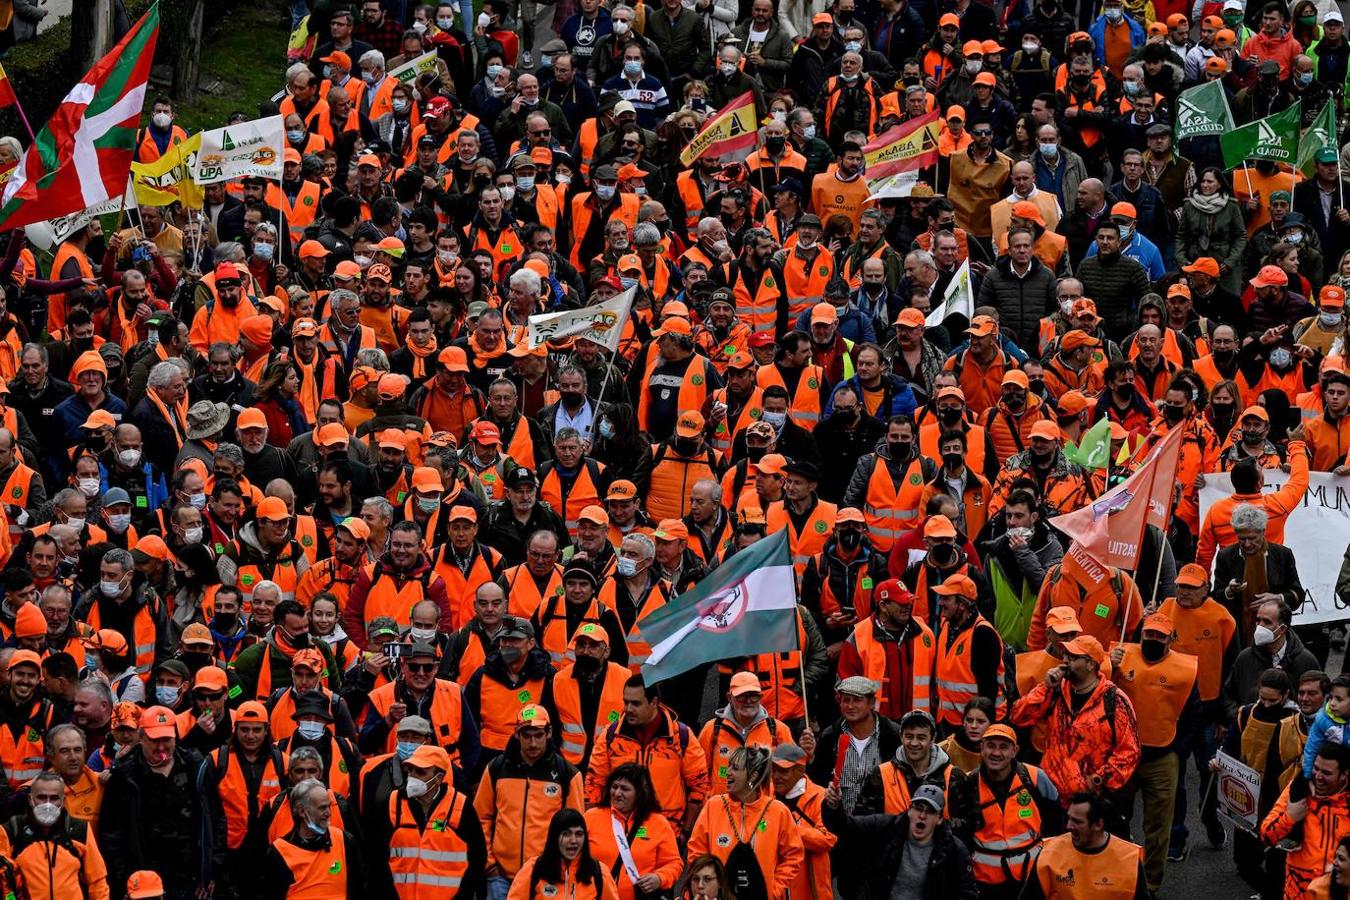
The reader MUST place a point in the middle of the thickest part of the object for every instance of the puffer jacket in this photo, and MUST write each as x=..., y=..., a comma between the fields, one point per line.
x=1021, y=302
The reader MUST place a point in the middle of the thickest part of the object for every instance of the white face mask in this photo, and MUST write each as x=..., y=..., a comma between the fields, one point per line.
x=162, y=120
x=419, y=26
x=621, y=27
x=110, y=588
x=310, y=731
x=1066, y=307
x=1263, y=636
x=46, y=814
x=76, y=522
x=625, y=566
x=508, y=193
x=119, y=523
x=414, y=788
x=192, y=535
x=423, y=634
x=88, y=486
x=727, y=69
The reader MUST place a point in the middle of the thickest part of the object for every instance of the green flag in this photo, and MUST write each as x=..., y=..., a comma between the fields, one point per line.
x=1094, y=450
x=745, y=606
x=1203, y=110
x=1274, y=138
x=1322, y=134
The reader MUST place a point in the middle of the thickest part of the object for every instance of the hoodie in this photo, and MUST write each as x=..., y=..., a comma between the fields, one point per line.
x=938, y=770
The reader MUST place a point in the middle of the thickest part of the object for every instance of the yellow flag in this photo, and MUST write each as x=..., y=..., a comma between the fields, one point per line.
x=169, y=179
x=732, y=130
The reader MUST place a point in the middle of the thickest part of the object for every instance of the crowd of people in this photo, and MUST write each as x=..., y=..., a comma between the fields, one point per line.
x=321, y=581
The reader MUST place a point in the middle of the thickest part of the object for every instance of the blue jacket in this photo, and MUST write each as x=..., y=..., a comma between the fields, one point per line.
x=1325, y=727
x=898, y=398
x=156, y=490
x=1097, y=30
x=1145, y=251
x=854, y=325
x=71, y=413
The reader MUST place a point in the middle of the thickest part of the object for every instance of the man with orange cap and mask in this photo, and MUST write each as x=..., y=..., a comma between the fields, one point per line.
x=221, y=317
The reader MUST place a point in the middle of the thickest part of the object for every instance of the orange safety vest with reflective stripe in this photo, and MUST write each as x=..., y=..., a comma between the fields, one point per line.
x=319, y=874
x=147, y=151
x=781, y=676
x=22, y=754
x=584, y=492
x=460, y=588
x=299, y=214
x=892, y=512
x=523, y=596
x=691, y=195
x=498, y=707
x=577, y=734
x=581, y=221
x=446, y=706
x=240, y=803
x=280, y=571
x=804, y=407
x=956, y=676
x=428, y=863
x=388, y=597
x=895, y=794
x=811, y=539
x=1008, y=839
x=143, y=630
x=56, y=303
x=724, y=435
x=834, y=90
x=806, y=283
x=757, y=308
x=552, y=625
x=873, y=656
x=693, y=390
x=506, y=248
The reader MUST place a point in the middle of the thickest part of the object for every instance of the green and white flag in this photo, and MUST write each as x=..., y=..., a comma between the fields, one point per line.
x=1322, y=134
x=1203, y=110
x=745, y=606
x=958, y=298
x=1274, y=138
x=1094, y=450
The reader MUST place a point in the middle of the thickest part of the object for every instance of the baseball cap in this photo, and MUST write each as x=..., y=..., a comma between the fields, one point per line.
x=304, y=328
x=532, y=716
x=25, y=658
x=671, y=530
x=1016, y=377
x=689, y=424
x=674, y=325
x=1086, y=645
x=982, y=326
x=454, y=359
x=939, y=526
x=999, y=730
x=425, y=478
x=593, y=631
x=910, y=318
x=1192, y=575
x=429, y=756
x=745, y=683
x=332, y=435
x=1078, y=338
x=957, y=586
x=391, y=438
x=251, y=711
x=1085, y=306
x=956, y=111
x=951, y=20
x=1062, y=620
x=145, y=883
x=760, y=339
x=893, y=591
x=771, y=464
x=785, y=756
x=1159, y=622
x=1326, y=155
x=741, y=360
x=1124, y=210
x=850, y=514
x=972, y=48
x=251, y=418
x=196, y=635
x=273, y=509
x=931, y=796
x=212, y=678
x=485, y=433
x=99, y=418
x=413, y=725
x=521, y=476
x=1179, y=290
x=346, y=270
x=986, y=78
x=1216, y=64
x=1206, y=265
x=1072, y=402
x=1047, y=430
x=107, y=639
x=312, y=250
x=622, y=489
x=150, y=547
x=1331, y=295
x=824, y=314
x=290, y=155
x=308, y=658
x=157, y=722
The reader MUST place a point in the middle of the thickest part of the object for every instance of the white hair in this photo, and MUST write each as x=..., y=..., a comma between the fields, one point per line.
x=269, y=586
x=1247, y=517
x=162, y=374
x=527, y=280
x=374, y=57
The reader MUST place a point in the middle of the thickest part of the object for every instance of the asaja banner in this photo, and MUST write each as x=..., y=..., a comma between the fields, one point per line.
x=250, y=148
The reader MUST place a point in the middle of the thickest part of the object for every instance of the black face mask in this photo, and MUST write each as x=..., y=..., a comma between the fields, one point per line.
x=572, y=400
x=946, y=226
x=1014, y=401
x=1173, y=414
x=1123, y=391
x=1152, y=650
x=689, y=133
x=846, y=415
x=755, y=454
x=1222, y=414
x=1224, y=356
x=1041, y=460
x=775, y=145
x=686, y=446
x=1253, y=437
x=850, y=539
x=949, y=415
x=1036, y=386
x=586, y=665
x=952, y=460
x=943, y=555
x=900, y=449
x=225, y=622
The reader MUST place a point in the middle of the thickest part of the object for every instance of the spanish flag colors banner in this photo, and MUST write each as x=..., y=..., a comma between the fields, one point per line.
x=731, y=131
x=908, y=146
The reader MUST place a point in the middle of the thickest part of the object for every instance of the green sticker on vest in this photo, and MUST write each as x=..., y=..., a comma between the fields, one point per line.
x=768, y=281
x=142, y=502
x=489, y=477
x=219, y=549
x=523, y=696
x=763, y=825
x=307, y=200
x=402, y=495
x=246, y=579
x=821, y=528
x=307, y=541
x=1024, y=813
x=235, y=691
x=342, y=766
x=823, y=271
x=915, y=479
x=642, y=831
x=867, y=582
x=335, y=868
x=33, y=736
x=927, y=641
x=438, y=825
x=613, y=716
x=812, y=383
x=730, y=350
x=1102, y=611
x=18, y=493
x=1023, y=798
x=756, y=413
x=506, y=247
x=697, y=380
x=721, y=771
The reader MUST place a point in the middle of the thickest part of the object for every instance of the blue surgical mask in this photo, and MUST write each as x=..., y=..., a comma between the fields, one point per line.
x=1126, y=232
x=315, y=828
x=606, y=429
x=295, y=135
x=310, y=731
x=368, y=77
x=1049, y=151
x=853, y=46
x=264, y=252
x=776, y=419
x=405, y=749
x=809, y=132
x=1305, y=78
x=525, y=184
x=166, y=696
x=625, y=566
x=1131, y=88
x=1115, y=13
x=604, y=192
x=632, y=68
x=428, y=504
x=545, y=61
x=628, y=283
x=493, y=71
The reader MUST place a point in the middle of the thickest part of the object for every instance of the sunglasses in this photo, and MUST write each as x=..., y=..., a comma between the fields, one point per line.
x=421, y=668
x=209, y=695
x=981, y=132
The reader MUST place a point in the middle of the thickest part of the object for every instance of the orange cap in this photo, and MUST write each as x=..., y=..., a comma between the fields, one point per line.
x=1125, y=210
x=1207, y=265
x=532, y=716
x=257, y=328
x=466, y=513
x=1001, y=732
x=272, y=509
x=25, y=658
x=1159, y=622
x=771, y=464
x=956, y=111
x=88, y=361
x=972, y=48
x=745, y=683
x=29, y=621
x=595, y=515
x=1016, y=377
x=939, y=526
x=1046, y=430
x=982, y=326
x=356, y=527
x=1332, y=295
x=1062, y=620
x=251, y=418
x=910, y=318
x=212, y=678
x=391, y=386
x=454, y=359
x=312, y=250
x=347, y=270
x=157, y=721
x=957, y=586
x=622, y=489
x=361, y=378
x=308, y=658
x=1072, y=402
x=426, y=478
x=671, y=530
x=145, y=883
x=331, y=435
x=950, y=20
x=1086, y=645
x=251, y=711
x=850, y=514
x=1192, y=575
x=99, y=418
x=392, y=439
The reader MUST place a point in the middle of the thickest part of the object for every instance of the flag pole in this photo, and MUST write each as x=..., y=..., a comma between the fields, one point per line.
x=18, y=107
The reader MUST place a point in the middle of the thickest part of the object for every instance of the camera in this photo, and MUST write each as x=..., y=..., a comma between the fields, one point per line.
x=396, y=651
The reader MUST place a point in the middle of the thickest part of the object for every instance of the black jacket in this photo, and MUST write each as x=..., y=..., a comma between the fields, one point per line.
x=505, y=534
x=950, y=876
x=1281, y=576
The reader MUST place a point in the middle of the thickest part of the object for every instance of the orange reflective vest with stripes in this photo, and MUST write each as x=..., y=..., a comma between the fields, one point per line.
x=724, y=435
x=895, y=790
x=241, y=802
x=300, y=213
x=808, y=542
x=693, y=389
x=446, y=706
x=956, y=675
x=428, y=863
x=582, y=211
x=523, y=594
x=144, y=632
x=756, y=295
x=873, y=655
x=499, y=706
x=658, y=595
x=578, y=735
x=395, y=596
x=691, y=195
x=281, y=570
x=1008, y=838
x=582, y=491
x=804, y=407
x=551, y=624
x=460, y=586
x=673, y=478
x=892, y=512
x=720, y=738
x=319, y=874
x=806, y=280
x=21, y=748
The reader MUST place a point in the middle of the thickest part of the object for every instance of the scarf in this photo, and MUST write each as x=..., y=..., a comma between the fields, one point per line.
x=308, y=396
x=480, y=353
x=174, y=417
x=419, y=363
x=1210, y=204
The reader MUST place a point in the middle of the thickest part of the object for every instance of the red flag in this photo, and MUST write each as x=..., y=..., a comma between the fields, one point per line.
x=908, y=146
x=1111, y=528
x=7, y=97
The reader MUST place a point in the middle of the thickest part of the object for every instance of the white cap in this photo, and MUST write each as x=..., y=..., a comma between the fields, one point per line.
x=1234, y=4
x=1333, y=16
x=623, y=106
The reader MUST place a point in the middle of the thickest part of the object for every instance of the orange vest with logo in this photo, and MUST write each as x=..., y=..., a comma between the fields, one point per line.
x=393, y=596
x=873, y=656
x=584, y=491
x=143, y=630
x=446, y=706
x=892, y=512
x=523, y=595
x=460, y=589
x=428, y=863
x=499, y=707
x=577, y=734
x=1008, y=839
x=693, y=389
x=956, y=675
x=240, y=804
x=757, y=305
x=811, y=539
x=1109, y=874
x=317, y=874
x=806, y=284
x=1158, y=691
x=804, y=407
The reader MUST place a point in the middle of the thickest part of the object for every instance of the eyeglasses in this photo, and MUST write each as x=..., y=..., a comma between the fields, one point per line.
x=421, y=668
x=211, y=696
x=542, y=131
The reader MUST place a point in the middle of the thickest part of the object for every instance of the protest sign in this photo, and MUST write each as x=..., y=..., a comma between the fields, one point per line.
x=1317, y=533
x=1238, y=788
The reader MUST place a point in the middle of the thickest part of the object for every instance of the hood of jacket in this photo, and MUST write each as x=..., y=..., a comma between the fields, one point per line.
x=937, y=758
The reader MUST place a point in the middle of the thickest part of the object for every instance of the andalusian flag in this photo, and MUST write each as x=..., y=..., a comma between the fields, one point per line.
x=747, y=605
x=7, y=95
x=82, y=155
x=732, y=130
x=908, y=146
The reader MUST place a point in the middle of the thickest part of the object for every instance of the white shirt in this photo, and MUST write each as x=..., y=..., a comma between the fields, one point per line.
x=582, y=421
